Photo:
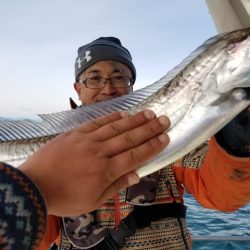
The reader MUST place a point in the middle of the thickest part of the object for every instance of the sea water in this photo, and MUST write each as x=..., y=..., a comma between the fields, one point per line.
x=202, y=221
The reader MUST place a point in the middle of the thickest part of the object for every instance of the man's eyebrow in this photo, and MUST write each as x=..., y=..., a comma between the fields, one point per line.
x=93, y=71
x=117, y=70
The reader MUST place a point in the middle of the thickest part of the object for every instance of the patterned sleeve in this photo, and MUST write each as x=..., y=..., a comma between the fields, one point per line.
x=22, y=210
x=215, y=178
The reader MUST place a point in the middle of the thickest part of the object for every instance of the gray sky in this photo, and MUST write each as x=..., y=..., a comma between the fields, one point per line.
x=39, y=41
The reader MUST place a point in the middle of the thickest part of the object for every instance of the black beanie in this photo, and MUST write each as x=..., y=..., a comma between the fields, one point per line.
x=103, y=48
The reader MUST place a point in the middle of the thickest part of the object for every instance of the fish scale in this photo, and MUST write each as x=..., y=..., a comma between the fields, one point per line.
x=200, y=96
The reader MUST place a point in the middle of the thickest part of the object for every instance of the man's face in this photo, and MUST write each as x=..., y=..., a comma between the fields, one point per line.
x=106, y=69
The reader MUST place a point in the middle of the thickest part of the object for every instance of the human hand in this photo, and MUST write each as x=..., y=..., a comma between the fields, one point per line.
x=80, y=169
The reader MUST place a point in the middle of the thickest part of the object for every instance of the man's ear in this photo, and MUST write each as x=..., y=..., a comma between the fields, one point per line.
x=77, y=87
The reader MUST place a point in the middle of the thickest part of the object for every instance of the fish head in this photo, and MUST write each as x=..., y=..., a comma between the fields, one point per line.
x=232, y=69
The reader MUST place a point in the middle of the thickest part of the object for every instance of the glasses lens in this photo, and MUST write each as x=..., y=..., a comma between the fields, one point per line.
x=95, y=82
x=121, y=81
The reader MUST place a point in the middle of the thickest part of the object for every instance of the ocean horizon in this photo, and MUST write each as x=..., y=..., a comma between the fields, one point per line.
x=208, y=222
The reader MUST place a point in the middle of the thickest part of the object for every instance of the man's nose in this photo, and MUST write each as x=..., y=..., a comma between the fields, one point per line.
x=109, y=89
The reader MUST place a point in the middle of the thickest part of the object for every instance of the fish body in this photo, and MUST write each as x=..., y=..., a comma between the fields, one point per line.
x=200, y=96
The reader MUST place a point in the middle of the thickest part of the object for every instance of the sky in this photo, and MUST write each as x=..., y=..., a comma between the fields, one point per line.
x=39, y=41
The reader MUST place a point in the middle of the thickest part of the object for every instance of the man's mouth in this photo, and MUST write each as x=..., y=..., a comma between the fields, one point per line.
x=106, y=98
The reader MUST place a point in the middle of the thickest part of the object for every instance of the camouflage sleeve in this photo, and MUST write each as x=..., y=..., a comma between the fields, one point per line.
x=235, y=136
x=22, y=210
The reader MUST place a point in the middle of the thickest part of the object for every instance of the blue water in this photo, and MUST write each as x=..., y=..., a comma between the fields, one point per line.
x=202, y=221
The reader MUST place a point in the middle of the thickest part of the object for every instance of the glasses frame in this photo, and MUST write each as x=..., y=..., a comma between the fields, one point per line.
x=106, y=81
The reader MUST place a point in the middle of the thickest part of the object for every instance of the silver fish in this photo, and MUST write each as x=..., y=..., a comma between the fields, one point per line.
x=200, y=96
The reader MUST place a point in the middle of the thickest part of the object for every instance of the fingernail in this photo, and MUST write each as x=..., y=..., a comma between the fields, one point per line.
x=149, y=114
x=163, y=138
x=133, y=179
x=163, y=120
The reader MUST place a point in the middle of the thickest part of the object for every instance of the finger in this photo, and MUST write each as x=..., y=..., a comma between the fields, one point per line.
x=95, y=124
x=136, y=136
x=129, y=122
x=120, y=184
x=131, y=159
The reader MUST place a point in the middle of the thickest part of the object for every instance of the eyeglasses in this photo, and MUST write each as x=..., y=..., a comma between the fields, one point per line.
x=99, y=82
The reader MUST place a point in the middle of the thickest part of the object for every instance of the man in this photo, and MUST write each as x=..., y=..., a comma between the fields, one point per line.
x=151, y=214
x=27, y=192
x=103, y=79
